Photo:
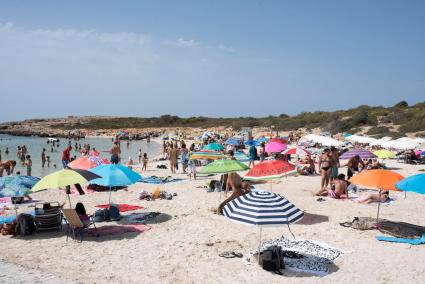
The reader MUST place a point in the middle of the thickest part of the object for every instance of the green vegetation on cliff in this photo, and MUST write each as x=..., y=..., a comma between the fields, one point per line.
x=380, y=119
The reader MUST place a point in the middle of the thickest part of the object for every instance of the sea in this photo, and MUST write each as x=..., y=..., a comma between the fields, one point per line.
x=36, y=144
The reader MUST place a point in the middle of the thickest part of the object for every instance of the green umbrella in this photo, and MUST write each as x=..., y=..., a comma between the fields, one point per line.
x=223, y=167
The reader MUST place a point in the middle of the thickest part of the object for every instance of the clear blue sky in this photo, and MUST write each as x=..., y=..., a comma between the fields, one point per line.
x=211, y=58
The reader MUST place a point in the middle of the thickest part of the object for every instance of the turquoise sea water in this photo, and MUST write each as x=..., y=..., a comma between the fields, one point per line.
x=36, y=144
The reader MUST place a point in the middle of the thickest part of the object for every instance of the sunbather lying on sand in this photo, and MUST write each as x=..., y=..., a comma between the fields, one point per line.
x=373, y=197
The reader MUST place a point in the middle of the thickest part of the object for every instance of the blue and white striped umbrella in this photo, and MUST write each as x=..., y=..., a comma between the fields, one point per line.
x=262, y=208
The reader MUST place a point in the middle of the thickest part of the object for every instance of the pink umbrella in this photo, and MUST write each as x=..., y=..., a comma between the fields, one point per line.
x=275, y=147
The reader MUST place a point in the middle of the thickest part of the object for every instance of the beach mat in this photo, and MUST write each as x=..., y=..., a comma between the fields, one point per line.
x=122, y=207
x=312, y=257
x=418, y=241
x=158, y=180
x=112, y=230
x=401, y=229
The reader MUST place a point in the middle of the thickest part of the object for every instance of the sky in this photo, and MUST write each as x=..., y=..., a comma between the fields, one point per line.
x=216, y=58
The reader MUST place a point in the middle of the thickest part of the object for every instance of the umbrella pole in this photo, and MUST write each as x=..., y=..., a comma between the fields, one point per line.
x=110, y=193
x=259, y=246
x=379, y=205
x=405, y=194
x=69, y=199
x=271, y=186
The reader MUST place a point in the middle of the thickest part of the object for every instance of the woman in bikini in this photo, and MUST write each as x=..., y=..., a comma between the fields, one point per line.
x=326, y=162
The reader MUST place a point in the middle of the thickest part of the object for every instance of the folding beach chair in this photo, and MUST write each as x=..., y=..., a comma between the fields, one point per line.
x=75, y=225
x=48, y=216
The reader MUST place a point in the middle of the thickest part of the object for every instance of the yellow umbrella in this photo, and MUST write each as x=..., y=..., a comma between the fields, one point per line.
x=384, y=154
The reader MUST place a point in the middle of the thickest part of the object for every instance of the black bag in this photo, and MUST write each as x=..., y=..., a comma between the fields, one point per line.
x=271, y=259
x=25, y=224
x=114, y=212
x=101, y=215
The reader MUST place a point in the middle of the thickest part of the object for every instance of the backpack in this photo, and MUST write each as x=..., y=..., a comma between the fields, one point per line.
x=114, y=213
x=101, y=215
x=271, y=259
x=25, y=224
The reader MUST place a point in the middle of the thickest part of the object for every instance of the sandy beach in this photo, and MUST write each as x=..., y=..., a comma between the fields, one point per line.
x=184, y=244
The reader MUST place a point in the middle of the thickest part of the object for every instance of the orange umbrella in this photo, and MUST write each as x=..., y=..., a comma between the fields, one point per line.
x=378, y=179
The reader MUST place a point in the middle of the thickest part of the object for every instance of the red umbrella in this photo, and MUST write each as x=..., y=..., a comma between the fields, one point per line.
x=296, y=151
x=270, y=170
x=87, y=162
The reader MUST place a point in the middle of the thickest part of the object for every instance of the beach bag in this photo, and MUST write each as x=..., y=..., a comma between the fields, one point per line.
x=271, y=259
x=101, y=215
x=114, y=213
x=25, y=224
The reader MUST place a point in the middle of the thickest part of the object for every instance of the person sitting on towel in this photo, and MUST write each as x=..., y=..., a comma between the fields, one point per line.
x=339, y=190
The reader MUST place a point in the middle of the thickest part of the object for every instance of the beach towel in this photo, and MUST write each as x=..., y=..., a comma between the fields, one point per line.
x=111, y=230
x=418, y=241
x=138, y=218
x=158, y=180
x=122, y=207
x=310, y=257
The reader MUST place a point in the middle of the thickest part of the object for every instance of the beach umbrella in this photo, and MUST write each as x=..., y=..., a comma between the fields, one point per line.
x=364, y=154
x=384, y=154
x=112, y=175
x=11, y=186
x=268, y=170
x=262, y=209
x=377, y=179
x=262, y=140
x=87, y=162
x=251, y=142
x=232, y=141
x=275, y=147
x=64, y=178
x=206, y=155
x=415, y=183
x=213, y=147
x=223, y=166
x=278, y=140
x=296, y=151
x=240, y=156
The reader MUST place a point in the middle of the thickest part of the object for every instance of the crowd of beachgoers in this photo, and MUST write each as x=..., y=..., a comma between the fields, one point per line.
x=243, y=169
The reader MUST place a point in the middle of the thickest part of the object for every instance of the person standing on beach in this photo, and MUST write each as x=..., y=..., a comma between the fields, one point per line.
x=28, y=164
x=7, y=151
x=252, y=154
x=335, y=166
x=326, y=162
x=66, y=156
x=173, y=158
x=115, y=153
x=184, y=157
x=139, y=154
x=43, y=157
x=145, y=161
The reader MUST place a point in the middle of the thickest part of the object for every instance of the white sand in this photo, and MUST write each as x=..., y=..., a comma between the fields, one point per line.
x=185, y=249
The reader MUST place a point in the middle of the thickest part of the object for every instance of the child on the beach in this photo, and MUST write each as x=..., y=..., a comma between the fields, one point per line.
x=145, y=161
x=191, y=169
